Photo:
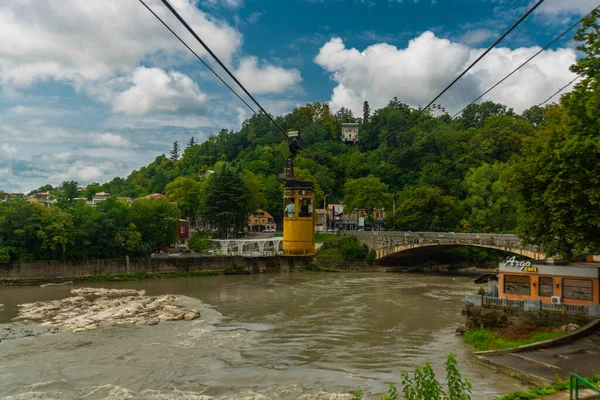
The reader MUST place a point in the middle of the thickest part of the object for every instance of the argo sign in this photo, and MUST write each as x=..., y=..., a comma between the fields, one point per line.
x=522, y=265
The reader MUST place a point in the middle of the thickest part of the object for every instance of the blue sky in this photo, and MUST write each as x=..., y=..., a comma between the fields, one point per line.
x=93, y=90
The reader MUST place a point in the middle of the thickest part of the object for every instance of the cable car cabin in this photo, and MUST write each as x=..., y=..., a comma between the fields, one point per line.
x=298, y=218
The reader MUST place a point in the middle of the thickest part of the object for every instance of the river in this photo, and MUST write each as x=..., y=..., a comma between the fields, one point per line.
x=288, y=336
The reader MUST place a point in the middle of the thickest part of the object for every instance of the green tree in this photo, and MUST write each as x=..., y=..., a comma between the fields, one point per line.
x=489, y=203
x=187, y=192
x=475, y=115
x=366, y=112
x=91, y=190
x=68, y=191
x=426, y=209
x=558, y=178
x=156, y=220
x=133, y=242
x=225, y=200
x=368, y=194
x=56, y=232
x=175, y=152
x=191, y=142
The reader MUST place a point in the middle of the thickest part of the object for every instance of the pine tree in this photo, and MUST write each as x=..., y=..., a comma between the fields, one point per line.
x=366, y=112
x=175, y=152
x=191, y=142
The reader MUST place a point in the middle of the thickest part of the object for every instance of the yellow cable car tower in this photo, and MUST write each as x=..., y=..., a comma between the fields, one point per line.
x=299, y=212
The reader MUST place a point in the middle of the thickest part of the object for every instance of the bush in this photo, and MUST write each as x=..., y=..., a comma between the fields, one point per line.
x=351, y=249
x=4, y=255
x=200, y=242
x=371, y=257
x=424, y=385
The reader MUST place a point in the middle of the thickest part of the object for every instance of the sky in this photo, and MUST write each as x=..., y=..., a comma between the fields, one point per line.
x=93, y=89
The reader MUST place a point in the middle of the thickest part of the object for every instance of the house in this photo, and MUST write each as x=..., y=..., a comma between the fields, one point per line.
x=350, y=132
x=321, y=223
x=260, y=220
x=183, y=233
x=100, y=196
x=576, y=283
x=157, y=196
x=337, y=219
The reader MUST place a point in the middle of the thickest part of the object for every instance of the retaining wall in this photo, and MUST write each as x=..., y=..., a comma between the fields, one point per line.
x=63, y=270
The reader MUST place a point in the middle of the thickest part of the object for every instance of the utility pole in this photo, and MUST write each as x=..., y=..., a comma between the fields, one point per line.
x=394, y=212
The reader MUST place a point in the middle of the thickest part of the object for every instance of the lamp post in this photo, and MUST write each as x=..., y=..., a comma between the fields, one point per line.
x=325, y=208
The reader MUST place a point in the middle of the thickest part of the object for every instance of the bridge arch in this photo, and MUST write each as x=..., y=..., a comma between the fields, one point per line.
x=387, y=244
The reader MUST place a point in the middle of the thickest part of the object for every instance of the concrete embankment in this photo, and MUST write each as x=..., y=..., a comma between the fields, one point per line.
x=37, y=272
x=543, y=362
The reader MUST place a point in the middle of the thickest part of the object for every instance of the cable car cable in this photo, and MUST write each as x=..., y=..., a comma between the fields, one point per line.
x=197, y=56
x=536, y=5
x=499, y=82
x=558, y=91
x=195, y=35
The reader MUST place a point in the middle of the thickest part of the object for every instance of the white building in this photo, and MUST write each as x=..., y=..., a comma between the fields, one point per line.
x=350, y=132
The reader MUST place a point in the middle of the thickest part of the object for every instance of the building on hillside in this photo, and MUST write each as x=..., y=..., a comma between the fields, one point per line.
x=321, y=222
x=208, y=173
x=100, y=196
x=158, y=196
x=183, y=233
x=576, y=283
x=260, y=220
x=350, y=132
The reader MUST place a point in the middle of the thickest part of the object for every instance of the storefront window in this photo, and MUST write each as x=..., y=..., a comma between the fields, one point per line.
x=578, y=289
x=517, y=284
x=306, y=208
x=546, y=288
x=290, y=208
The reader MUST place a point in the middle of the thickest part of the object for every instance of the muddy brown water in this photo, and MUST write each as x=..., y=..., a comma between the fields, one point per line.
x=288, y=336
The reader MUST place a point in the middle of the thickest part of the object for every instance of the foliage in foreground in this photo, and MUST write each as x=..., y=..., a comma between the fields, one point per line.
x=484, y=339
x=347, y=248
x=423, y=385
x=545, y=390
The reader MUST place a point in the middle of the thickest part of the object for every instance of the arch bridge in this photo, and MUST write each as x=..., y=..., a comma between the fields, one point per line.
x=391, y=243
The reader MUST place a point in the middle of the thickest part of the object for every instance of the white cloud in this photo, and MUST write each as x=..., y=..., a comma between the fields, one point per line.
x=8, y=151
x=78, y=40
x=419, y=72
x=267, y=78
x=108, y=140
x=89, y=173
x=156, y=90
x=556, y=7
x=476, y=36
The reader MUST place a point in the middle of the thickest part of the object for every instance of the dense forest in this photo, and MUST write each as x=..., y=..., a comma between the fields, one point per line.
x=536, y=174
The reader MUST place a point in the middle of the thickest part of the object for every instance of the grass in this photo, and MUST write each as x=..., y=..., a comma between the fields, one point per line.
x=545, y=390
x=138, y=276
x=485, y=339
x=323, y=237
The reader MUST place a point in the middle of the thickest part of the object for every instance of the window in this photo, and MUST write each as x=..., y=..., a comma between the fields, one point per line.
x=182, y=230
x=517, y=284
x=290, y=207
x=577, y=289
x=305, y=207
x=546, y=288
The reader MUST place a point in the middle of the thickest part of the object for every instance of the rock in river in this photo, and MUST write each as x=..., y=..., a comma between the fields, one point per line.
x=91, y=307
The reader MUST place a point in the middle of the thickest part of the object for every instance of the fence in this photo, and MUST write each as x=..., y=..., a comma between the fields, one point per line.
x=569, y=308
x=532, y=305
x=495, y=301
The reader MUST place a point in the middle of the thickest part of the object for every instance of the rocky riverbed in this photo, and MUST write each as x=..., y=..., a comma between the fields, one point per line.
x=91, y=307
